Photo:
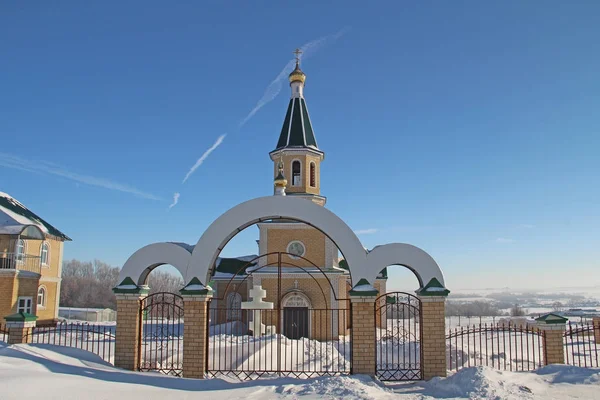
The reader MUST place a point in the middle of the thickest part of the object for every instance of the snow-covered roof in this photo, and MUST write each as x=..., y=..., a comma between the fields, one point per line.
x=16, y=219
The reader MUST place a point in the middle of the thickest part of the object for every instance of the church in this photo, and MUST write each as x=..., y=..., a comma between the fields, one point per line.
x=297, y=266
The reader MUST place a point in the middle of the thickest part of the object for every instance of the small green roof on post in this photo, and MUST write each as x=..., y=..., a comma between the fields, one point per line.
x=433, y=288
x=21, y=317
x=551, y=319
x=363, y=288
x=196, y=288
x=128, y=286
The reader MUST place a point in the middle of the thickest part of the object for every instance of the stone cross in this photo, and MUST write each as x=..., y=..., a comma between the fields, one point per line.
x=257, y=304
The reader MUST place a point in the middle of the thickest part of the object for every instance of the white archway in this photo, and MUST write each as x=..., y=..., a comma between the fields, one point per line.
x=143, y=261
x=362, y=265
x=253, y=211
x=415, y=259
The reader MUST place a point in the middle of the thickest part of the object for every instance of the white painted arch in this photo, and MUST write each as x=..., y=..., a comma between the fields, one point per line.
x=362, y=265
x=143, y=261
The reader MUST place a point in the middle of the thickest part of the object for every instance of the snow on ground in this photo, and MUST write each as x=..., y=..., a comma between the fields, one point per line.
x=53, y=372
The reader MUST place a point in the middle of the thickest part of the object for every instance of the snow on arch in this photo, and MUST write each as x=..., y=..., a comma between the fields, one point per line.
x=143, y=261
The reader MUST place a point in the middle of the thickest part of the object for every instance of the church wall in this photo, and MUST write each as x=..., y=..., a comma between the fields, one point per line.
x=313, y=240
x=305, y=160
x=219, y=313
x=321, y=321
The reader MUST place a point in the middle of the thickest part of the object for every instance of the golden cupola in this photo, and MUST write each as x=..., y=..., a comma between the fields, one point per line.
x=297, y=75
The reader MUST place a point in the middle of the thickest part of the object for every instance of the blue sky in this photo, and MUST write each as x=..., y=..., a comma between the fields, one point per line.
x=470, y=130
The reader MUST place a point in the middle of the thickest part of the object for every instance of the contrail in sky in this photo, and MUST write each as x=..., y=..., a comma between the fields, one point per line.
x=45, y=167
x=276, y=85
x=175, y=200
x=204, y=156
x=271, y=91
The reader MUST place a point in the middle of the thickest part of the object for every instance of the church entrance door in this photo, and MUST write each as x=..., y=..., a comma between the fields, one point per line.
x=295, y=320
x=292, y=321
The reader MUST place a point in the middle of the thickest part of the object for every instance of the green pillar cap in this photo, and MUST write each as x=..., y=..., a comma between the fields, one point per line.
x=363, y=288
x=195, y=288
x=551, y=319
x=21, y=317
x=433, y=288
x=128, y=286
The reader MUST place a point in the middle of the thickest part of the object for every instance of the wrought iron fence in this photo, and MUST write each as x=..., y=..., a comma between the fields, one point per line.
x=298, y=342
x=398, y=337
x=581, y=344
x=23, y=262
x=97, y=339
x=161, y=334
x=505, y=347
x=3, y=333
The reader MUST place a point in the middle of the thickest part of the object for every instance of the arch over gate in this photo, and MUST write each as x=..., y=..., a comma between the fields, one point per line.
x=139, y=265
x=362, y=265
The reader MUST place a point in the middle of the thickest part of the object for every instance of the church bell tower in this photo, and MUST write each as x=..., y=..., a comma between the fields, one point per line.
x=297, y=155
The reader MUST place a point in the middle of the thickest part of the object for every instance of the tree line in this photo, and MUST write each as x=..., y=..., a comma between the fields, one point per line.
x=89, y=284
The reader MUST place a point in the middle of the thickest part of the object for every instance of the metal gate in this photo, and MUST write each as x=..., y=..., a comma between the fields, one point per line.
x=161, y=334
x=279, y=316
x=398, y=337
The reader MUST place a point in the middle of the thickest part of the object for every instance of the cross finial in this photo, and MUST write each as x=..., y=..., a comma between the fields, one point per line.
x=297, y=52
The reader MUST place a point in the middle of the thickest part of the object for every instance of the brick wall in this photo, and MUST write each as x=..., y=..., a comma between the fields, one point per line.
x=48, y=312
x=363, y=336
x=313, y=240
x=7, y=289
x=554, y=348
x=433, y=336
x=194, y=344
x=127, y=332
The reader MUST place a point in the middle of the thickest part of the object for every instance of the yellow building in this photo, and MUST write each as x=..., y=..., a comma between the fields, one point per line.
x=297, y=265
x=31, y=254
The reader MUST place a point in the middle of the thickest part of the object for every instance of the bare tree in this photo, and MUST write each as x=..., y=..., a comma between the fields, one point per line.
x=517, y=311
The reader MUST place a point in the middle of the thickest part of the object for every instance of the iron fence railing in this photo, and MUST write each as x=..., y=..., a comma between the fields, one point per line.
x=297, y=342
x=3, y=334
x=581, y=345
x=21, y=262
x=504, y=347
x=97, y=339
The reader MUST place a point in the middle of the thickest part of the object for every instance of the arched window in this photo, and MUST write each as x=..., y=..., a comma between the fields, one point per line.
x=41, y=300
x=313, y=175
x=234, y=307
x=20, y=250
x=44, y=254
x=296, y=174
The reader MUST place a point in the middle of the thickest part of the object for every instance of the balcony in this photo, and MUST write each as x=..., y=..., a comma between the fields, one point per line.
x=21, y=262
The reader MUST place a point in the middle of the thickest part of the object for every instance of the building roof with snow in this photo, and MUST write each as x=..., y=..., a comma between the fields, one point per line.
x=16, y=219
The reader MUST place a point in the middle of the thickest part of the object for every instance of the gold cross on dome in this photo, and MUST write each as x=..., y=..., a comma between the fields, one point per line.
x=297, y=52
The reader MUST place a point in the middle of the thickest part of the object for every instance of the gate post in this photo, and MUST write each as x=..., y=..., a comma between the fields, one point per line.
x=195, y=333
x=433, y=329
x=363, y=335
x=127, y=334
x=554, y=329
x=19, y=327
x=596, y=325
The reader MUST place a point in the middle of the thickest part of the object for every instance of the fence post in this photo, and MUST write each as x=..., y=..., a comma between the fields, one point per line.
x=127, y=334
x=554, y=327
x=19, y=327
x=363, y=328
x=433, y=317
x=195, y=333
x=596, y=325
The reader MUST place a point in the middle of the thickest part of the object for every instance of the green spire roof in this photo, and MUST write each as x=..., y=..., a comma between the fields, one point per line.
x=297, y=130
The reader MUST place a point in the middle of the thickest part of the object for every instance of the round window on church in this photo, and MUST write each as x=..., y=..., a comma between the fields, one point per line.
x=296, y=249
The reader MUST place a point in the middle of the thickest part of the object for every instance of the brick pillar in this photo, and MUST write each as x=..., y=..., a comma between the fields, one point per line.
x=363, y=334
x=596, y=322
x=554, y=348
x=194, y=335
x=19, y=327
x=433, y=342
x=127, y=337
